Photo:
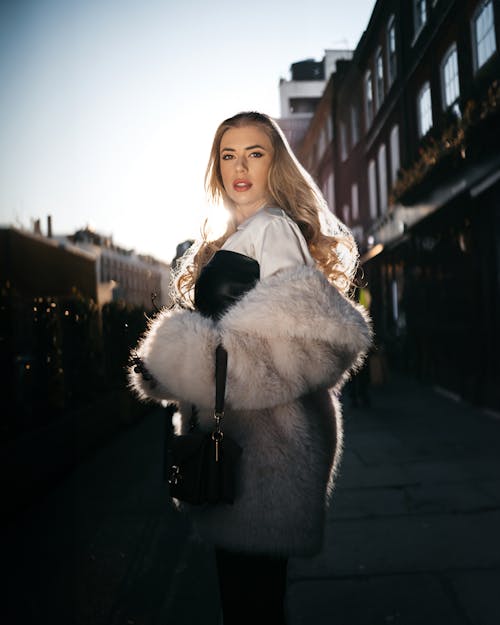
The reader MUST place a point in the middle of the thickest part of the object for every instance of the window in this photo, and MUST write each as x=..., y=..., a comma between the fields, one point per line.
x=424, y=107
x=355, y=201
x=391, y=51
x=368, y=99
x=420, y=14
x=314, y=155
x=330, y=192
x=303, y=105
x=354, y=125
x=372, y=189
x=395, y=159
x=321, y=143
x=449, y=78
x=484, y=34
x=329, y=128
x=379, y=78
x=382, y=177
x=343, y=142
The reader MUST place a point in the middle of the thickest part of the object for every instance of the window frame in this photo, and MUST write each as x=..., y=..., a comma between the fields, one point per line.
x=394, y=141
x=448, y=54
x=369, y=108
x=354, y=201
x=330, y=193
x=383, y=195
x=372, y=189
x=425, y=87
x=391, y=25
x=379, y=88
x=346, y=214
x=418, y=30
x=344, y=153
x=475, y=16
x=354, y=119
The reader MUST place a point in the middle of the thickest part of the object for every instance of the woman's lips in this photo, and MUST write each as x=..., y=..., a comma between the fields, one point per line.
x=241, y=185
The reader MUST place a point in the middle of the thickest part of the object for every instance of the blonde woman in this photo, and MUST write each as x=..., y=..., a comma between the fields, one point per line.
x=273, y=291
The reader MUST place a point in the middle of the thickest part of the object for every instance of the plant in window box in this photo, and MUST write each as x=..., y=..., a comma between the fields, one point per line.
x=477, y=132
x=482, y=123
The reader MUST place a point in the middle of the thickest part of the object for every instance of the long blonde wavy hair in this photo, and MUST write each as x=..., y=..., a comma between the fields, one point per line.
x=294, y=191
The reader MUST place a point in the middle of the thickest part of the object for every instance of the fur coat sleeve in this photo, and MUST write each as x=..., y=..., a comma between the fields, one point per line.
x=292, y=334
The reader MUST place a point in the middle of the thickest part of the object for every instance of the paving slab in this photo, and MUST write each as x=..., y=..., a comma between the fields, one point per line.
x=451, y=497
x=390, y=600
x=359, y=503
x=404, y=544
x=491, y=487
x=478, y=594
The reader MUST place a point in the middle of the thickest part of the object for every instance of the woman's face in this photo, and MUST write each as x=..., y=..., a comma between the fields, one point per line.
x=246, y=155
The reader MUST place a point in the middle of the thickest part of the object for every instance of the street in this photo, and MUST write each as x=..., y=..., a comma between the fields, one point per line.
x=412, y=534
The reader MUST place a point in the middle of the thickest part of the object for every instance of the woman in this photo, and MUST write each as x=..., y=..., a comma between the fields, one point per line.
x=291, y=335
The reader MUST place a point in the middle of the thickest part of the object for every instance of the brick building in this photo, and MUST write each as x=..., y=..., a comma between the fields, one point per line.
x=416, y=163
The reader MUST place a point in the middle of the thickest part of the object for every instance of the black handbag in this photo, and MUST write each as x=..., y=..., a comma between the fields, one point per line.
x=204, y=465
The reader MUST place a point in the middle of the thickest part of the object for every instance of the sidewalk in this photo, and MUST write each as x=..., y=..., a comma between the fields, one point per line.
x=413, y=534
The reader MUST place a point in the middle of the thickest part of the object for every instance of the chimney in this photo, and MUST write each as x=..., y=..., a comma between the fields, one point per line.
x=36, y=227
x=49, y=226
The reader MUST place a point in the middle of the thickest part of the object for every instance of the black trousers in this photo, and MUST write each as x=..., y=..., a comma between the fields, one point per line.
x=252, y=587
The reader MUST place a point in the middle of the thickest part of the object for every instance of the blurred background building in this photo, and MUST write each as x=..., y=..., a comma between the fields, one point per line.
x=121, y=274
x=71, y=308
x=300, y=95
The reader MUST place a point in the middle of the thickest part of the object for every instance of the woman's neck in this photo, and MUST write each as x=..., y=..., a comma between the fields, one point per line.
x=243, y=212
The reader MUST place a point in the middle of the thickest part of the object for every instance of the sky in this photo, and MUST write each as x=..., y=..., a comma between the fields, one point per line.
x=108, y=107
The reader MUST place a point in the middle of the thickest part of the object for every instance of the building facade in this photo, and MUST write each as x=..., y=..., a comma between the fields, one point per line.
x=315, y=151
x=121, y=274
x=416, y=163
x=300, y=96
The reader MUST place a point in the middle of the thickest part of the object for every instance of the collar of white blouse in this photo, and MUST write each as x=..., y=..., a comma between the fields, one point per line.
x=272, y=210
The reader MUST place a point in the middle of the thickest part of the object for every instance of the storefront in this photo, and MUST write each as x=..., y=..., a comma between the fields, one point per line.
x=436, y=288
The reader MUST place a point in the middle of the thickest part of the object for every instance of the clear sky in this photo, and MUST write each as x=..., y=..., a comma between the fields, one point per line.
x=108, y=107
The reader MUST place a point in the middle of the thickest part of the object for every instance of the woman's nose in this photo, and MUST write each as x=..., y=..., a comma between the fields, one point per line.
x=241, y=164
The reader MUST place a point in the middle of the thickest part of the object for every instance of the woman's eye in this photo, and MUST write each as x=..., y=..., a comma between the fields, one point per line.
x=227, y=157
x=256, y=154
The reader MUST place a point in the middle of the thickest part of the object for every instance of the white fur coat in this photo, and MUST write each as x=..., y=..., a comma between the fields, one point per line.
x=291, y=342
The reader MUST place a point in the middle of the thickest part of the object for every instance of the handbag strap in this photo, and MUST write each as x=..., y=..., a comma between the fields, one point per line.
x=220, y=389
x=220, y=380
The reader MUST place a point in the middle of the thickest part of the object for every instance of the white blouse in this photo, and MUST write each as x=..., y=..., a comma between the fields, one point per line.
x=272, y=239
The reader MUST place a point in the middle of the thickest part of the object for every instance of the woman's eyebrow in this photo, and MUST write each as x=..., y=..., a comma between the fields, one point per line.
x=250, y=147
